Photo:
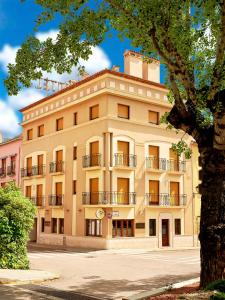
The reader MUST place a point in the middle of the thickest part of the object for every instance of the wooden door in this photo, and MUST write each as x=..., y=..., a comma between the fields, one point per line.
x=123, y=190
x=39, y=194
x=165, y=232
x=13, y=164
x=174, y=193
x=94, y=191
x=123, y=153
x=58, y=192
x=153, y=152
x=40, y=159
x=174, y=160
x=59, y=160
x=29, y=166
x=28, y=191
x=94, y=151
x=154, y=191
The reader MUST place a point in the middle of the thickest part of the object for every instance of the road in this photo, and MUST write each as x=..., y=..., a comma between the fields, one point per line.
x=106, y=274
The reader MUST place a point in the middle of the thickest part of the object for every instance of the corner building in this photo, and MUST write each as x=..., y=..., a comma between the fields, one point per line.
x=100, y=168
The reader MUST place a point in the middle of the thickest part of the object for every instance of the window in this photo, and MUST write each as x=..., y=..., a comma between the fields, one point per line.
x=94, y=112
x=74, y=152
x=41, y=130
x=29, y=166
x=42, y=224
x=153, y=117
x=54, y=225
x=3, y=171
x=61, y=226
x=123, y=111
x=74, y=187
x=29, y=134
x=152, y=227
x=28, y=191
x=13, y=164
x=75, y=118
x=177, y=226
x=94, y=227
x=40, y=160
x=59, y=124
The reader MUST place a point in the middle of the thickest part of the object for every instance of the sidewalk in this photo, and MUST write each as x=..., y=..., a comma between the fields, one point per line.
x=9, y=276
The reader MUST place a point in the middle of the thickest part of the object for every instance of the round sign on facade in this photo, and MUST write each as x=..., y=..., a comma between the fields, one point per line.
x=100, y=213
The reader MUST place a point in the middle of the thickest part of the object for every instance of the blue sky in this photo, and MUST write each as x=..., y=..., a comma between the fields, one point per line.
x=17, y=21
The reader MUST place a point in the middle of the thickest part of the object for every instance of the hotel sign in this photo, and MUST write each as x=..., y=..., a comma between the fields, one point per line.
x=100, y=213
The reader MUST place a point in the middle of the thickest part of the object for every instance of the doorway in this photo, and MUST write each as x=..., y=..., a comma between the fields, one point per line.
x=33, y=233
x=123, y=190
x=165, y=232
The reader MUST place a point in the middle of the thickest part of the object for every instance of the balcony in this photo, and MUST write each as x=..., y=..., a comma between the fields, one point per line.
x=57, y=167
x=11, y=170
x=38, y=200
x=165, y=200
x=33, y=171
x=55, y=200
x=176, y=166
x=2, y=172
x=125, y=160
x=93, y=160
x=109, y=198
x=155, y=164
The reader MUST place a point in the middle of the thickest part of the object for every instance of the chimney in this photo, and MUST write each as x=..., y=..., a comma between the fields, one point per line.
x=84, y=75
x=136, y=65
x=115, y=68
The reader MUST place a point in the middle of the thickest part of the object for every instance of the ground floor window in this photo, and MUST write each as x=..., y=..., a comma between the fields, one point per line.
x=61, y=226
x=42, y=224
x=94, y=227
x=177, y=223
x=54, y=225
x=152, y=227
x=122, y=228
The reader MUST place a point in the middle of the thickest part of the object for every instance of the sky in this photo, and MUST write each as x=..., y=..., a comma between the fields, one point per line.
x=17, y=20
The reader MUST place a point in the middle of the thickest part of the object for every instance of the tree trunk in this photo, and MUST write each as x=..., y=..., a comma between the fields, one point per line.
x=212, y=227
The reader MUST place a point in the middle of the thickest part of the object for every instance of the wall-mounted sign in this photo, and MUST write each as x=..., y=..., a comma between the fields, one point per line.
x=100, y=213
x=115, y=214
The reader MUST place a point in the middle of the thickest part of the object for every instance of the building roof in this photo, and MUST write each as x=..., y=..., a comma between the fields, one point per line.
x=7, y=141
x=89, y=78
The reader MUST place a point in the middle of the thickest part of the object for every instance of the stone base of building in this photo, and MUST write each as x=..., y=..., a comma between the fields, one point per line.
x=183, y=241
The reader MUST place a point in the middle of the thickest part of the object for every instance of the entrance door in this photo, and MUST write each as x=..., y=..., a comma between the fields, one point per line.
x=174, y=160
x=94, y=151
x=39, y=194
x=123, y=190
x=40, y=159
x=58, y=191
x=174, y=193
x=123, y=153
x=154, y=192
x=153, y=152
x=33, y=233
x=94, y=192
x=59, y=161
x=165, y=232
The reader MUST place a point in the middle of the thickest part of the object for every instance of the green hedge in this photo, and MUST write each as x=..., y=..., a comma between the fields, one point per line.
x=16, y=221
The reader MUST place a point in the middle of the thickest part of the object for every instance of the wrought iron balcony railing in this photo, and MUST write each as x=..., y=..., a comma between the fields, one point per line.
x=2, y=172
x=125, y=160
x=165, y=199
x=155, y=163
x=33, y=171
x=114, y=198
x=176, y=166
x=55, y=200
x=38, y=200
x=93, y=160
x=11, y=170
x=57, y=166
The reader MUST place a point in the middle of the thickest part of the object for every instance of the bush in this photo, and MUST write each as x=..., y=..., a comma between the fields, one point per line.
x=217, y=296
x=218, y=285
x=16, y=220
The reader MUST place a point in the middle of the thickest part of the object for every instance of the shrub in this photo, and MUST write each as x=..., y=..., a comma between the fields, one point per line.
x=218, y=285
x=16, y=220
x=217, y=296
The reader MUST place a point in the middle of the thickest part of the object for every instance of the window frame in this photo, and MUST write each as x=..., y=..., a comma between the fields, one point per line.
x=74, y=152
x=97, y=233
x=122, y=117
x=57, y=124
x=90, y=112
x=75, y=119
x=153, y=111
x=39, y=131
x=74, y=187
x=154, y=227
x=179, y=226
x=29, y=138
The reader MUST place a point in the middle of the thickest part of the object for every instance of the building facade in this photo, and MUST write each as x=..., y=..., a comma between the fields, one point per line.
x=10, y=151
x=99, y=165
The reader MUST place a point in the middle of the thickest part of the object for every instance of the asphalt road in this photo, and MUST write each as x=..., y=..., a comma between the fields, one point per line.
x=106, y=274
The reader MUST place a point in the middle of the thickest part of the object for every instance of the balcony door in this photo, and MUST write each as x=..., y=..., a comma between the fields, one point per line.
x=29, y=166
x=123, y=190
x=174, y=193
x=28, y=191
x=94, y=191
x=153, y=152
x=94, y=151
x=58, y=192
x=154, y=191
x=174, y=160
x=165, y=232
x=40, y=160
x=59, y=160
x=39, y=194
x=123, y=153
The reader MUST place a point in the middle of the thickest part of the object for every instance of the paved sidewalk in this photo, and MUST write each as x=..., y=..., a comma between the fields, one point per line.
x=8, y=276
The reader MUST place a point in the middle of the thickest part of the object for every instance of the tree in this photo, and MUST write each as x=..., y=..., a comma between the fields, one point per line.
x=189, y=38
x=16, y=220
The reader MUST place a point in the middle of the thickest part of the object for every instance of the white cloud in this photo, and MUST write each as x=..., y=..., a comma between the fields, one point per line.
x=8, y=117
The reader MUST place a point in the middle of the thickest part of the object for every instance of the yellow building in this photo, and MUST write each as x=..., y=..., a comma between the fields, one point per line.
x=100, y=167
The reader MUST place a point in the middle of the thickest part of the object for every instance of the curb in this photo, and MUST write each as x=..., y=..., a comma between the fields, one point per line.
x=156, y=292
x=31, y=281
